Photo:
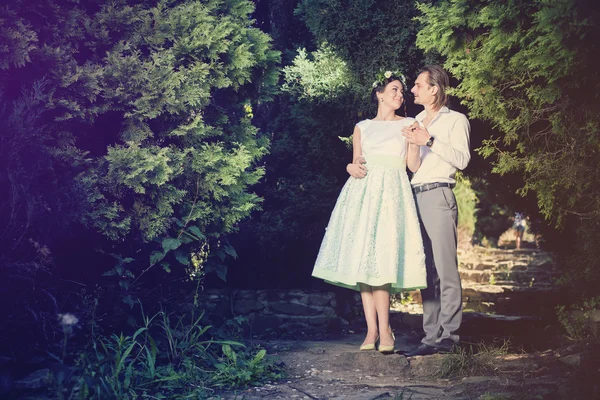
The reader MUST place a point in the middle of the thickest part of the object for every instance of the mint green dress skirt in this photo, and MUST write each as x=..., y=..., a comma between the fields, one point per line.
x=373, y=235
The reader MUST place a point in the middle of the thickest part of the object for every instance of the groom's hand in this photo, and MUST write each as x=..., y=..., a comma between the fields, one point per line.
x=357, y=169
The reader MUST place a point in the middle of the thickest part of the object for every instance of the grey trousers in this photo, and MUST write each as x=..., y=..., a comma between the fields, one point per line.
x=442, y=299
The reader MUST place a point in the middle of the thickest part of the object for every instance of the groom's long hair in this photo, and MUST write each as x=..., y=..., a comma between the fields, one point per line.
x=438, y=77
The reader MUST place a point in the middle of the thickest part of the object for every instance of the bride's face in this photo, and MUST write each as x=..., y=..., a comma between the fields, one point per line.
x=392, y=95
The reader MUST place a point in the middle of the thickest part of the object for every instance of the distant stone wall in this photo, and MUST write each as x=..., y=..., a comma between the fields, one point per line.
x=281, y=309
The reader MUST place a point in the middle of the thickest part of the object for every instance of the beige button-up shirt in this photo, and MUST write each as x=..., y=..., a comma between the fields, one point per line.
x=450, y=150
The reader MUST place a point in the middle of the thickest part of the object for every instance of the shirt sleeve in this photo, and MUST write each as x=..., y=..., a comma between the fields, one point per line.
x=457, y=151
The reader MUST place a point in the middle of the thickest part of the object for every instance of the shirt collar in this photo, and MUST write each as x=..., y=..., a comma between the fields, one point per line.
x=421, y=116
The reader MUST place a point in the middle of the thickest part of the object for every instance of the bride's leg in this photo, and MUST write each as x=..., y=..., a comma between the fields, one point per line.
x=381, y=295
x=368, y=303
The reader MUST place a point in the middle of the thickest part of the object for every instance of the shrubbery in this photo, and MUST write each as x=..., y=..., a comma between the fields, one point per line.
x=525, y=68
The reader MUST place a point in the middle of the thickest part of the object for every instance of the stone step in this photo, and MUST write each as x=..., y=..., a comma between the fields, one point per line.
x=512, y=277
x=372, y=363
x=482, y=259
x=512, y=300
x=520, y=265
x=516, y=300
x=502, y=253
x=477, y=327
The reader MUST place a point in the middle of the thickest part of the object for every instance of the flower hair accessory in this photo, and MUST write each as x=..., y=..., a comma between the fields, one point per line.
x=383, y=75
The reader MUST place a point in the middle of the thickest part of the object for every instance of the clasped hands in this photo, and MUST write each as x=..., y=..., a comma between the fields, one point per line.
x=357, y=169
x=415, y=134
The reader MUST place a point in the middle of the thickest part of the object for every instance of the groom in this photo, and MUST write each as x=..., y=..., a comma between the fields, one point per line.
x=443, y=135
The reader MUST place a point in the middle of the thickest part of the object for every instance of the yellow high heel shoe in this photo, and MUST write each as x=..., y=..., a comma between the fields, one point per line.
x=369, y=346
x=387, y=349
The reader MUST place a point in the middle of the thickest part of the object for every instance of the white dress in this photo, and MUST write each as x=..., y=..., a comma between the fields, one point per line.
x=373, y=235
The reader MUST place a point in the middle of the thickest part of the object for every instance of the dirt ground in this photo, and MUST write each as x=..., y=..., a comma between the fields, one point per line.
x=335, y=369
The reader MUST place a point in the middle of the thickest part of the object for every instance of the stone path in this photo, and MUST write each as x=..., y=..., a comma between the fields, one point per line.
x=505, y=282
x=337, y=370
x=505, y=294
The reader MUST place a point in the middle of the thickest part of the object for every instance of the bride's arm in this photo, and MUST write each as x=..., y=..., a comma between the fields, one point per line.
x=413, y=151
x=356, y=169
x=413, y=156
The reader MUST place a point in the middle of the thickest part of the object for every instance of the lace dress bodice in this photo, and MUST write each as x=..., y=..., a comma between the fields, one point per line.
x=383, y=137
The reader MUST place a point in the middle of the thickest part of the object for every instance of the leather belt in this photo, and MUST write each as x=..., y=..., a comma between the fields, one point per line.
x=428, y=186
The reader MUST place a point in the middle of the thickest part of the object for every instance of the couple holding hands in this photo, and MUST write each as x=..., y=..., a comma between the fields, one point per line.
x=387, y=234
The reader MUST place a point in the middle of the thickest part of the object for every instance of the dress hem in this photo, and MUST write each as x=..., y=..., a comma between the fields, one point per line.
x=396, y=287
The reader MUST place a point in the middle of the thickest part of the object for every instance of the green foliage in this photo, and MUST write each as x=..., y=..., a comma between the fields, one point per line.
x=321, y=78
x=194, y=163
x=522, y=68
x=575, y=319
x=126, y=131
x=20, y=36
x=370, y=35
x=525, y=67
x=139, y=117
x=466, y=200
x=242, y=369
x=305, y=167
x=163, y=360
x=493, y=214
x=402, y=298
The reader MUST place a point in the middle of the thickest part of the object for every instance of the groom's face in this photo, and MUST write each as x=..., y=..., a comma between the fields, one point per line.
x=424, y=93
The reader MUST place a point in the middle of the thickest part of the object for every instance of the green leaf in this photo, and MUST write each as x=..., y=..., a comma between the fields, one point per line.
x=166, y=266
x=227, y=342
x=228, y=248
x=139, y=331
x=129, y=300
x=186, y=238
x=128, y=374
x=221, y=270
x=121, y=361
x=229, y=353
x=259, y=356
x=196, y=232
x=156, y=256
x=169, y=244
x=182, y=257
x=150, y=362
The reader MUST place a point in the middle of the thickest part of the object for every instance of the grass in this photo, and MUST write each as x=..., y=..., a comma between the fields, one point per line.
x=472, y=360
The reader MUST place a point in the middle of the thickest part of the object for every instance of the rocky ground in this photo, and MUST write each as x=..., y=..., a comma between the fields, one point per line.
x=511, y=344
x=508, y=297
x=337, y=370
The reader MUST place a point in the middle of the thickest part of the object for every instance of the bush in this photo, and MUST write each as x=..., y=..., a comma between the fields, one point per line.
x=524, y=68
x=575, y=319
x=168, y=356
x=466, y=200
